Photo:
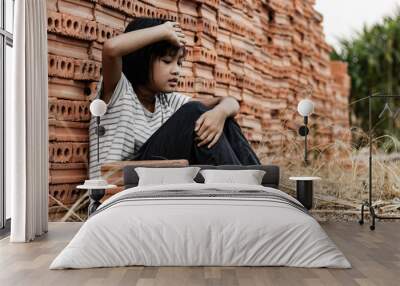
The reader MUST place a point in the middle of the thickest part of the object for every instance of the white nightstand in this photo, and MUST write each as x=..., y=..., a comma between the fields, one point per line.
x=304, y=190
x=97, y=189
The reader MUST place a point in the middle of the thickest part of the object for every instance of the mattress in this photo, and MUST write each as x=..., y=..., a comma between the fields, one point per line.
x=201, y=225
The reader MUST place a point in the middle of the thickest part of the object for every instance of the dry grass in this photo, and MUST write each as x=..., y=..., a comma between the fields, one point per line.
x=344, y=171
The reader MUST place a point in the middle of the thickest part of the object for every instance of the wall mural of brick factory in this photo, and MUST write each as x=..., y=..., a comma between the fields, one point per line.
x=267, y=54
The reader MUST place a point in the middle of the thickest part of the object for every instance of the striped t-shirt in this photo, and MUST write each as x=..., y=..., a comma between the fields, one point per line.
x=128, y=124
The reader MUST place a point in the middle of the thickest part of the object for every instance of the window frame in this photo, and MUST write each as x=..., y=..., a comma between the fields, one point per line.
x=6, y=39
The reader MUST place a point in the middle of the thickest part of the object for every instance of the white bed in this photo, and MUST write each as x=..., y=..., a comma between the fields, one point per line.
x=185, y=230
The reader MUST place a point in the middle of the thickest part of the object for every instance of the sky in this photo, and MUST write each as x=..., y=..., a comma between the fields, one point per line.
x=343, y=17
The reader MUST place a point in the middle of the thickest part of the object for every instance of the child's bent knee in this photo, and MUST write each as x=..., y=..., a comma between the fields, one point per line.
x=195, y=106
x=192, y=109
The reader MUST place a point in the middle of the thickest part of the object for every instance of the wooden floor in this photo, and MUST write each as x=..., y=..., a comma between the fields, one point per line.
x=375, y=257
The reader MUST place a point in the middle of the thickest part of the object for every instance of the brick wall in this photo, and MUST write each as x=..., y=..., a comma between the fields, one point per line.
x=266, y=54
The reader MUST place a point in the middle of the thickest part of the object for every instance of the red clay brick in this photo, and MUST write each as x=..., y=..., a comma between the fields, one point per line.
x=116, y=4
x=51, y=5
x=95, y=51
x=52, y=108
x=208, y=27
x=80, y=152
x=69, y=173
x=103, y=33
x=86, y=70
x=66, y=193
x=82, y=9
x=54, y=22
x=69, y=89
x=65, y=110
x=204, y=85
x=61, y=152
x=68, y=131
x=203, y=55
x=203, y=40
x=212, y=3
x=109, y=17
x=188, y=7
x=67, y=47
x=190, y=38
x=221, y=89
x=170, y=5
x=60, y=66
x=188, y=22
x=77, y=27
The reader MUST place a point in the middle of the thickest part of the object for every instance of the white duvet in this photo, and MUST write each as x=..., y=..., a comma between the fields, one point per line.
x=200, y=231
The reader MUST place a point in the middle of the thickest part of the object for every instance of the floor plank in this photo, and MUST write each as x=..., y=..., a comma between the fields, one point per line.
x=375, y=257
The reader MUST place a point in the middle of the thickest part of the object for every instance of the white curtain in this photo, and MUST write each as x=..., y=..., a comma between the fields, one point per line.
x=27, y=123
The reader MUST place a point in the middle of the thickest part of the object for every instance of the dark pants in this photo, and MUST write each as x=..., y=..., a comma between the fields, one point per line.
x=175, y=140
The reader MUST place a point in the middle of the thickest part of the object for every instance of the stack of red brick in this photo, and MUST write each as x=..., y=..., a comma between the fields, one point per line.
x=266, y=54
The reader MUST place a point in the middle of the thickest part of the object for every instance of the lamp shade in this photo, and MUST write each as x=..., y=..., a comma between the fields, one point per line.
x=305, y=107
x=98, y=107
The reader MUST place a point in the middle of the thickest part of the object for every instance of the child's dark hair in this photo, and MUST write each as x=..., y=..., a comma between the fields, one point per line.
x=137, y=66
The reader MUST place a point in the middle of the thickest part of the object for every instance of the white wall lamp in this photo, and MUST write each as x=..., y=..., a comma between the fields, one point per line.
x=305, y=109
x=98, y=108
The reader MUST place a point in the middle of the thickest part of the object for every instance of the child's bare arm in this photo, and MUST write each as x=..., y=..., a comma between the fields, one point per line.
x=126, y=43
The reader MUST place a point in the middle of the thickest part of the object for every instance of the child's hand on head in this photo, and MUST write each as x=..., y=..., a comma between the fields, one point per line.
x=173, y=33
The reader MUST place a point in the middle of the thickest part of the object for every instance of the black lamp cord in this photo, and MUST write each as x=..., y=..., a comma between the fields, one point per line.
x=98, y=138
x=305, y=140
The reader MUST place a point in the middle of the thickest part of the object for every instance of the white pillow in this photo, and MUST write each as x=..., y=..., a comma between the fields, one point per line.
x=163, y=176
x=249, y=177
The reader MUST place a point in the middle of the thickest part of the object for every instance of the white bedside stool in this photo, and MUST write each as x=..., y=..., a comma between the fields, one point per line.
x=97, y=189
